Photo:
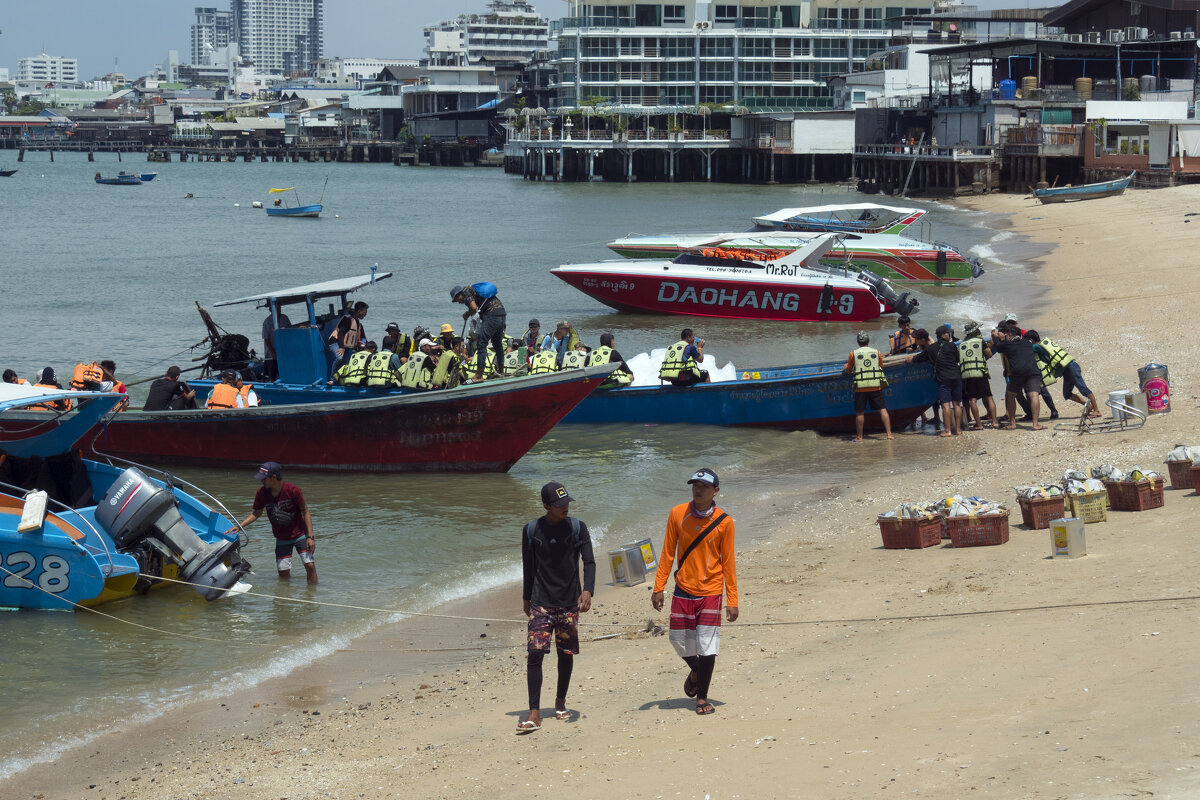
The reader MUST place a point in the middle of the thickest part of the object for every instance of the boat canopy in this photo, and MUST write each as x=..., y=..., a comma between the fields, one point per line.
x=785, y=214
x=13, y=395
x=315, y=291
x=277, y=191
x=59, y=431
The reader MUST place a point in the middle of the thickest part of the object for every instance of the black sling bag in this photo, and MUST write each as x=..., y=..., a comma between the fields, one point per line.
x=696, y=542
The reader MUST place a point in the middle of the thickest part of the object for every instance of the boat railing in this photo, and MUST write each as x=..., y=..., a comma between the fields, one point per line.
x=90, y=549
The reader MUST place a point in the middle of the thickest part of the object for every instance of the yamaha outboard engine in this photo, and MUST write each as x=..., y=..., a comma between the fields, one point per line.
x=136, y=511
x=902, y=304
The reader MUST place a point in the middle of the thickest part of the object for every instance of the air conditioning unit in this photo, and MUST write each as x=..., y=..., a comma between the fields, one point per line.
x=1176, y=35
x=1114, y=35
x=1132, y=34
x=1093, y=37
x=1074, y=37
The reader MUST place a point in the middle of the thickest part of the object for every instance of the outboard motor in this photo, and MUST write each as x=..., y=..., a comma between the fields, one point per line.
x=136, y=511
x=902, y=304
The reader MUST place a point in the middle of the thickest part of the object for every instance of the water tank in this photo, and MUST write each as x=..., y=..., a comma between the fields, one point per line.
x=1083, y=88
x=1148, y=83
x=1128, y=85
x=1008, y=90
x=1029, y=84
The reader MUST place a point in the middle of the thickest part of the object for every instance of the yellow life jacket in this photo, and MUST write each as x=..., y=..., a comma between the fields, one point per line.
x=445, y=375
x=1054, y=356
x=543, y=362
x=354, y=371
x=674, y=366
x=868, y=369
x=574, y=359
x=1047, y=373
x=379, y=370
x=971, y=360
x=223, y=396
x=603, y=355
x=86, y=376
x=515, y=361
x=413, y=374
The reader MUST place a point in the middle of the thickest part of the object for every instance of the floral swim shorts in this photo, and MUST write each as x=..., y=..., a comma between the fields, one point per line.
x=563, y=622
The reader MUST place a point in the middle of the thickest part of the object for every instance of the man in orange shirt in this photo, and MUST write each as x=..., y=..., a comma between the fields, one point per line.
x=702, y=534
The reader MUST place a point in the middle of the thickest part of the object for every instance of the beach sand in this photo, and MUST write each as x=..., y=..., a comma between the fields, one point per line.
x=852, y=672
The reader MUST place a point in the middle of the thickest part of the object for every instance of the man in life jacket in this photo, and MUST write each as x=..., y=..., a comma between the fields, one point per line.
x=354, y=371
x=532, y=337
x=902, y=342
x=88, y=378
x=399, y=343
x=417, y=372
x=446, y=334
x=225, y=394
x=559, y=341
x=246, y=391
x=543, y=361
x=681, y=365
x=865, y=365
x=576, y=358
x=1059, y=363
x=383, y=368
x=481, y=298
x=109, y=369
x=348, y=335
x=46, y=379
x=607, y=354
x=973, y=353
x=10, y=376
x=515, y=361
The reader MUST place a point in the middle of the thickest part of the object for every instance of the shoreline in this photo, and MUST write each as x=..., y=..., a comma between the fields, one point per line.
x=823, y=698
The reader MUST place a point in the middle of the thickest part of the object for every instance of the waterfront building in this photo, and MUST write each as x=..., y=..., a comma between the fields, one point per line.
x=509, y=31
x=212, y=30
x=354, y=71
x=279, y=36
x=451, y=102
x=48, y=69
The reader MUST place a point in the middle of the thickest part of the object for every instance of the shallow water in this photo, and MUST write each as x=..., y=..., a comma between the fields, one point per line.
x=113, y=272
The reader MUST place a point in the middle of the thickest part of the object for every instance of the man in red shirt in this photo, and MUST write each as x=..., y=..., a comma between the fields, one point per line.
x=700, y=580
x=290, y=519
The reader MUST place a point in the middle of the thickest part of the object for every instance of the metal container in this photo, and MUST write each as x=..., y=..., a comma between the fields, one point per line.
x=1155, y=381
x=1148, y=83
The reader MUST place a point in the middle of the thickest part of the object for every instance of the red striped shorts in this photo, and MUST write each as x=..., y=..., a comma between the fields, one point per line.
x=696, y=625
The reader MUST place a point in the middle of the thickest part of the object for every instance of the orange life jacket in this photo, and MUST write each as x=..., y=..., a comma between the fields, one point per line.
x=54, y=405
x=245, y=393
x=223, y=396
x=85, y=375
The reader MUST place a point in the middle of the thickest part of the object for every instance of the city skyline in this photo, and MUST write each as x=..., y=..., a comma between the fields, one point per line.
x=138, y=33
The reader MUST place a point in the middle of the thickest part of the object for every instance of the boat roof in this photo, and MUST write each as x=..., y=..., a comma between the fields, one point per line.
x=334, y=288
x=13, y=395
x=784, y=214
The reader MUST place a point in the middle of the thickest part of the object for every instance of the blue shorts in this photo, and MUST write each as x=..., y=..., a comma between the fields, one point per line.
x=1073, y=379
x=950, y=391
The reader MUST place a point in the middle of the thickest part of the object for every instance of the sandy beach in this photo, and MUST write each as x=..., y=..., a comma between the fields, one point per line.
x=853, y=671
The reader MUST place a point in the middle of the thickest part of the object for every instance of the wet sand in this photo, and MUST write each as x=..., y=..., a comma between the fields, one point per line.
x=853, y=671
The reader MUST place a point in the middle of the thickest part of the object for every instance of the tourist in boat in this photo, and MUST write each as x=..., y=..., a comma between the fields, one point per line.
x=1062, y=365
x=681, y=366
x=532, y=336
x=168, y=393
x=943, y=354
x=481, y=298
x=46, y=379
x=606, y=353
x=977, y=381
x=399, y=343
x=446, y=334
x=901, y=342
x=354, y=371
x=383, y=368
x=348, y=336
x=10, y=376
x=246, y=391
x=575, y=358
x=88, y=377
x=552, y=596
x=1024, y=376
x=109, y=369
x=700, y=580
x=559, y=341
x=513, y=362
x=866, y=368
x=291, y=521
x=225, y=394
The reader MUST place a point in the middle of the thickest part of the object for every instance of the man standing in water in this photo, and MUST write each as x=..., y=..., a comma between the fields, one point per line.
x=291, y=521
x=700, y=579
x=552, y=547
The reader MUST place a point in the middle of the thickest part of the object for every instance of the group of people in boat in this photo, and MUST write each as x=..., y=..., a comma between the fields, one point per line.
x=94, y=376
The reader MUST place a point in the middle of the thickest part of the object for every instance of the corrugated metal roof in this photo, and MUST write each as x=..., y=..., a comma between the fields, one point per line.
x=317, y=290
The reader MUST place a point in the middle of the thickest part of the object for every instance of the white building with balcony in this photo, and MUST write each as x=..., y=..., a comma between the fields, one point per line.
x=43, y=69
x=508, y=32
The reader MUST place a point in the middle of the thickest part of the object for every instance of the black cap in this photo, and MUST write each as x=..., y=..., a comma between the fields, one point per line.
x=228, y=375
x=555, y=494
x=705, y=475
x=270, y=469
x=533, y=323
x=391, y=326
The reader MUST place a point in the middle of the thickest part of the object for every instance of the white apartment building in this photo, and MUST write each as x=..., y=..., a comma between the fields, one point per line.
x=279, y=36
x=48, y=69
x=508, y=32
x=356, y=70
x=759, y=54
x=212, y=30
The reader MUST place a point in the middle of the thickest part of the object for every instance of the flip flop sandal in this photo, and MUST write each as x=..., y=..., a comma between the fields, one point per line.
x=689, y=686
x=528, y=727
x=705, y=708
x=562, y=713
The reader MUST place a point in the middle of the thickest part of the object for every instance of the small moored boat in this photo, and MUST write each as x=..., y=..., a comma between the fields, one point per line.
x=280, y=208
x=121, y=179
x=148, y=176
x=1087, y=191
x=7, y=173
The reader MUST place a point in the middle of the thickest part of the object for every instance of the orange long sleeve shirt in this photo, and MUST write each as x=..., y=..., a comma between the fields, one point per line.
x=710, y=568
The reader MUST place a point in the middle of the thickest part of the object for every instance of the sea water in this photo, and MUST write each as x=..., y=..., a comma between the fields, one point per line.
x=95, y=272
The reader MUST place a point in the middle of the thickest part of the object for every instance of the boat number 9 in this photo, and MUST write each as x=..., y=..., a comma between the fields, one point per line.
x=846, y=304
x=54, y=578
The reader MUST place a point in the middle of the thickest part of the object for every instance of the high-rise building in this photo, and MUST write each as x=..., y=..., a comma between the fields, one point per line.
x=509, y=32
x=280, y=36
x=212, y=30
x=48, y=69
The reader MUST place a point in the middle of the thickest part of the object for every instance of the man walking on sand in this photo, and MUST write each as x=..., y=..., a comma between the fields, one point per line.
x=552, y=547
x=702, y=534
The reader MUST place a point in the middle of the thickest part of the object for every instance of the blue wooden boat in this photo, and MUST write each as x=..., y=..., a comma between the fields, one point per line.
x=79, y=532
x=279, y=207
x=148, y=176
x=817, y=397
x=121, y=179
x=1087, y=191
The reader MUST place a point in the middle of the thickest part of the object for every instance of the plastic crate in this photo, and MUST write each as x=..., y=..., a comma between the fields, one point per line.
x=1036, y=512
x=1135, y=495
x=978, y=531
x=1089, y=506
x=1196, y=478
x=910, y=534
x=1182, y=476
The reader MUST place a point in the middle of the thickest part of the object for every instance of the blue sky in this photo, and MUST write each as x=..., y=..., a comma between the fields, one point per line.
x=138, y=33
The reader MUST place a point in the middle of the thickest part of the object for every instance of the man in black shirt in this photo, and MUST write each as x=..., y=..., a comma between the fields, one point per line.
x=168, y=393
x=551, y=548
x=943, y=354
x=1024, y=375
x=492, y=319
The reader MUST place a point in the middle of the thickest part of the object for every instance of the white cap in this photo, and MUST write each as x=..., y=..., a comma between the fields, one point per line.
x=424, y=342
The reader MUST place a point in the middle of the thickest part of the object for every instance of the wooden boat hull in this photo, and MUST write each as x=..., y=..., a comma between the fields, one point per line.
x=1089, y=191
x=304, y=212
x=816, y=397
x=126, y=180
x=7, y=173
x=483, y=427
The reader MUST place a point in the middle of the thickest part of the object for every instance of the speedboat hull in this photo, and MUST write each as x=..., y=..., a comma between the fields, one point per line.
x=816, y=397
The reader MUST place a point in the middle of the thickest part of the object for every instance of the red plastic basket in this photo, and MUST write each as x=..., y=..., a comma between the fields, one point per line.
x=980, y=531
x=1135, y=495
x=1182, y=476
x=1037, y=512
x=910, y=534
